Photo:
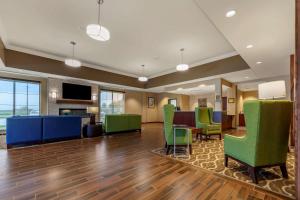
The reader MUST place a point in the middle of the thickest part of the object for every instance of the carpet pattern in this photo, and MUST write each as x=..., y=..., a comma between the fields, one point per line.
x=210, y=155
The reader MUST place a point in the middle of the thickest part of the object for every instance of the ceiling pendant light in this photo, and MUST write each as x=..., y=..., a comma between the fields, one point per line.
x=182, y=67
x=72, y=62
x=96, y=31
x=143, y=78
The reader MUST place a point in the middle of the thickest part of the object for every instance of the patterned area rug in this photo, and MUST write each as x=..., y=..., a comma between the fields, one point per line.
x=210, y=155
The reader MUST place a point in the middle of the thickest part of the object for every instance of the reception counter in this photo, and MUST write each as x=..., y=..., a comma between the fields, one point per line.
x=184, y=117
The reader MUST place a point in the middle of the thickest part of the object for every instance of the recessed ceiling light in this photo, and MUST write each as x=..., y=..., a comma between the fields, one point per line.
x=246, y=77
x=230, y=13
x=249, y=46
x=179, y=89
x=259, y=62
x=202, y=85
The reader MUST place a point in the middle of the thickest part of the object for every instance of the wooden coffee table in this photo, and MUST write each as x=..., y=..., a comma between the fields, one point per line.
x=197, y=132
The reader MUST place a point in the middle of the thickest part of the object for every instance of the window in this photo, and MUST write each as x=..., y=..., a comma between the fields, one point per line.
x=18, y=98
x=111, y=103
x=173, y=102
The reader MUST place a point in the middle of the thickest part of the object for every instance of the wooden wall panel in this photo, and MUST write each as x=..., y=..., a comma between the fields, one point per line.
x=227, y=65
x=297, y=103
x=2, y=49
x=30, y=62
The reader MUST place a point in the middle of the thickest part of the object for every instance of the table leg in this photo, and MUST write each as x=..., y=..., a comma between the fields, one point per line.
x=188, y=134
x=174, y=138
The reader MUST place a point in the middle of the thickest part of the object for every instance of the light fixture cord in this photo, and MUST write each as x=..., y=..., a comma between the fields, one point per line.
x=143, y=70
x=73, y=48
x=181, y=56
x=73, y=51
x=99, y=10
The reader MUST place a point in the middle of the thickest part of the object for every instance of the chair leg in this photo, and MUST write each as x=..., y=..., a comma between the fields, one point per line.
x=191, y=149
x=284, y=171
x=226, y=160
x=168, y=149
x=220, y=136
x=253, y=174
x=166, y=145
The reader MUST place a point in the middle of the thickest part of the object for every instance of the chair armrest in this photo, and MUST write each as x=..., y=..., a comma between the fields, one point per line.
x=201, y=125
x=236, y=147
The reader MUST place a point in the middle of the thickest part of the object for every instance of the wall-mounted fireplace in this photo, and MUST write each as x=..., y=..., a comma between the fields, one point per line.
x=74, y=111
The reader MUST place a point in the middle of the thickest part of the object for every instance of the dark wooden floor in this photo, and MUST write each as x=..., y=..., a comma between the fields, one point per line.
x=115, y=167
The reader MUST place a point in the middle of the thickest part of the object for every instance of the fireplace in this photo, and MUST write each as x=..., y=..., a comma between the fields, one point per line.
x=74, y=111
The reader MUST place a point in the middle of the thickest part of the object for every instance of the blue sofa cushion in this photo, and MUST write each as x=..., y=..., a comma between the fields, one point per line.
x=61, y=127
x=23, y=130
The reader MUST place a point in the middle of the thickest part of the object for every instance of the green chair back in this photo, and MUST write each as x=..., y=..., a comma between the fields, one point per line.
x=202, y=115
x=168, y=115
x=211, y=115
x=267, y=125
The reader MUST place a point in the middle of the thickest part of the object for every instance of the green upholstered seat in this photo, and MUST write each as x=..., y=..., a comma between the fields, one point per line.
x=266, y=139
x=181, y=134
x=122, y=122
x=204, y=120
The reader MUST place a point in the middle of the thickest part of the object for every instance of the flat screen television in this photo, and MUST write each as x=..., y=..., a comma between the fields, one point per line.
x=78, y=92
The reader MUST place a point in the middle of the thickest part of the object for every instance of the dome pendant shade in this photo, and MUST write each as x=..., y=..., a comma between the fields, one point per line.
x=98, y=32
x=182, y=67
x=143, y=79
x=72, y=62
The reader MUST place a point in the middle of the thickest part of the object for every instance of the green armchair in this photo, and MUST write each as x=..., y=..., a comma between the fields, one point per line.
x=181, y=134
x=204, y=120
x=266, y=141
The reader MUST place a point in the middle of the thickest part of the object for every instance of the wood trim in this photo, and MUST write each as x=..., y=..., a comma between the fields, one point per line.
x=2, y=51
x=227, y=65
x=293, y=92
x=19, y=60
x=297, y=102
x=227, y=83
x=74, y=101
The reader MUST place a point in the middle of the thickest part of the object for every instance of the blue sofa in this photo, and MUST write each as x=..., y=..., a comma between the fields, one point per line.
x=21, y=130
x=28, y=129
x=62, y=127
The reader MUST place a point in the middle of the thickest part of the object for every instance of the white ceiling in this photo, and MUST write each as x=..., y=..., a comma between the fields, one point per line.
x=269, y=25
x=149, y=32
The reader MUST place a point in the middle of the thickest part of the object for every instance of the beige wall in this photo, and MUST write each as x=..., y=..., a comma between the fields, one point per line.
x=250, y=95
x=245, y=96
x=194, y=100
x=43, y=81
x=137, y=103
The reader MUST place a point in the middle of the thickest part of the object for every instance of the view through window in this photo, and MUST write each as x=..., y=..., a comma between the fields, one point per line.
x=173, y=102
x=111, y=102
x=18, y=98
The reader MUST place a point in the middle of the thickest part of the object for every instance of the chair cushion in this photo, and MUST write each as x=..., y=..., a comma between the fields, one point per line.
x=213, y=127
